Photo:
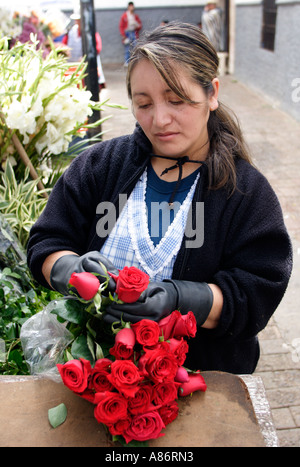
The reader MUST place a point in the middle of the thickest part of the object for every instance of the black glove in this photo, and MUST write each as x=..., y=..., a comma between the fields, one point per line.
x=64, y=267
x=161, y=298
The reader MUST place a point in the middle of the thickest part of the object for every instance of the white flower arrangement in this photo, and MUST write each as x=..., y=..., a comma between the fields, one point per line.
x=41, y=100
x=8, y=26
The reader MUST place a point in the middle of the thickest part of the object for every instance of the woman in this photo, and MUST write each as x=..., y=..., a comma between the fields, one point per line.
x=223, y=251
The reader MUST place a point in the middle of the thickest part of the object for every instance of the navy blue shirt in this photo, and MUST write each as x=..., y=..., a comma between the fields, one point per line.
x=158, y=194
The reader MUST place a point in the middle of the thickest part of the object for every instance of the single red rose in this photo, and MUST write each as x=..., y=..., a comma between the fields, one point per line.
x=124, y=344
x=164, y=393
x=75, y=374
x=130, y=283
x=86, y=284
x=144, y=427
x=179, y=348
x=125, y=377
x=140, y=403
x=111, y=407
x=167, y=324
x=159, y=364
x=196, y=383
x=186, y=326
x=169, y=412
x=99, y=381
x=146, y=332
x=120, y=426
x=182, y=375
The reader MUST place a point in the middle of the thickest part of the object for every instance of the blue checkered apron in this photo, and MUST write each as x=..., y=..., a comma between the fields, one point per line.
x=129, y=243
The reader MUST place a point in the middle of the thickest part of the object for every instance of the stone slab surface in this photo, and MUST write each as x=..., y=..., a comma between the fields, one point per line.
x=222, y=416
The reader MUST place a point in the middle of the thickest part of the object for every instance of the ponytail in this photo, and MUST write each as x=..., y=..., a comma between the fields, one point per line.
x=226, y=145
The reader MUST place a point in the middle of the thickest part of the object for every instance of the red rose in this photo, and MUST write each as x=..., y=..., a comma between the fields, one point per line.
x=125, y=377
x=130, y=283
x=140, y=403
x=146, y=332
x=124, y=344
x=179, y=348
x=169, y=412
x=159, y=364
x=99, y=381
x=75, y=374
x=111, y=407
x=178, y=325
x=186, y=326
x=119, y=427
x=196, y=383
x=167, y=324
x=182, y=375
x=164, y=393
x=85, y=283
x=144, y=427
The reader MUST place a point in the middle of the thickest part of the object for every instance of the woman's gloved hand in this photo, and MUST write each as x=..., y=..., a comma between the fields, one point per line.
x=161, y=298
x=92, y=262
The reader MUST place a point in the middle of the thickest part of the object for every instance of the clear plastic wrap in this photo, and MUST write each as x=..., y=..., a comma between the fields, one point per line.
x=44, y=340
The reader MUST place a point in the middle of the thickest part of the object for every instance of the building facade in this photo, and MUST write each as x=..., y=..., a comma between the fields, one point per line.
x=267, y=50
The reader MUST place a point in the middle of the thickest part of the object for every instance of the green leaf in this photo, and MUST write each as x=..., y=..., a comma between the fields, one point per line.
x=70, y=310
x=15, y=356
x=57, y=415
x=68, y=356
x=99, y=352
x=80, y=349
x=90, y=343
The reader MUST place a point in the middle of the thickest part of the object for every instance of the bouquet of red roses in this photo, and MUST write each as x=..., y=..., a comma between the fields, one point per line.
x=136, y=383
x=135, y=394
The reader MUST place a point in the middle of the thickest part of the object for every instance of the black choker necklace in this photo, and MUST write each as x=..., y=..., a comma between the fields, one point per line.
x=180, y=161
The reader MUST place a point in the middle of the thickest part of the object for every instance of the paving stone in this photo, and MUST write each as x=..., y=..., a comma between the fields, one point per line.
x=279, y=379
x=273, y=346
x=284, y=397
x=283, y=418
x=271, y=331
x=276, y=362
x=295, y=411
x=289, y=438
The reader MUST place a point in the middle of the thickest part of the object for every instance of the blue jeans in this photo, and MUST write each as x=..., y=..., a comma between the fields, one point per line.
x=131, y=36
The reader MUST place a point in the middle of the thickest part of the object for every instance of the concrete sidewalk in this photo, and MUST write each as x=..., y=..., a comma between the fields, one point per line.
x=274, y=138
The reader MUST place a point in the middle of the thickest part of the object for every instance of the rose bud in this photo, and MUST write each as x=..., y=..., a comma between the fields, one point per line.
x=196, y=383
x=124, y=343
x=182, y=375
x=86, y=284
x=186, y=326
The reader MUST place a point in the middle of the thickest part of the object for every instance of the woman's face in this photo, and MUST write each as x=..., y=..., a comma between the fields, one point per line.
x=174, y=127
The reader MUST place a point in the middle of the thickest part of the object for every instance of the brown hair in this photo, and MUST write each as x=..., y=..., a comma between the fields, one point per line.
x=186, y=45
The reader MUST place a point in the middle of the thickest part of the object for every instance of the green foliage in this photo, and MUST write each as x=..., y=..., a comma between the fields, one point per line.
x=18, y=302
x=87, y=327
x=21, y=202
